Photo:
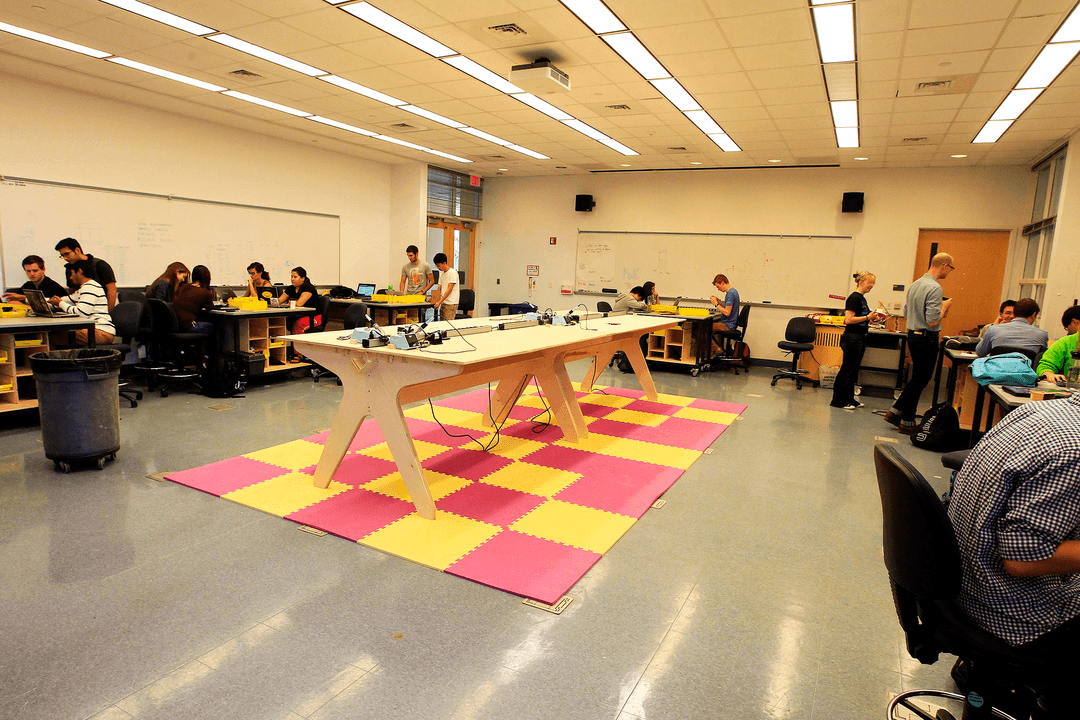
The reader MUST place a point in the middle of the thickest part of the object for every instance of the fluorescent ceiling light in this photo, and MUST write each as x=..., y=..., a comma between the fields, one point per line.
x=724, y=142
x=676, y=93
x=431, y=116
x=362, y=90
x=952, y=156
x=543, y=106
x=1015, y=104
x=447, y=155
x=992, y=131
x=595, y=14
x=269, y=55
x=486, y=136
x=482, y=74
x=527, y=151
x=847, y=137
x=617, y=147
x=166, y=74
x=840, y=81
x=342, y=126
x=390, y=24
x=1048, y=65
x=402, y=143
x=835, y=26
x=1070, y=29
x=584, y=129
x=845, y=114
x=55, y=42
x=161, y=16
x=704, y=122
x=266, y=103
x=632, y=51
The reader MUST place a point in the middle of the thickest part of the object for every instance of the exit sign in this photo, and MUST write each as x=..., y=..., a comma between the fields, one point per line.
x=474, y=181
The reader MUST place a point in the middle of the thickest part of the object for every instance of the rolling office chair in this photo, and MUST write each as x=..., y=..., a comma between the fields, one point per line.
x=923, y=561
x=466, y=303
x=125, y=318
x=144, y=334
x=727, y=340
x=1029, y=354
x=602, y=306
x=183, y=352
x=798, y=338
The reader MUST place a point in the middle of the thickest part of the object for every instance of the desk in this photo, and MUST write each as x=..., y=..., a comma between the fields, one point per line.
x=261, y=331
x=688, y=344
x=386, y=314
x=378, y=381
x=958, y=358
x=999, y=398
x=336, y=309
x=827, y=352
x=32, y=334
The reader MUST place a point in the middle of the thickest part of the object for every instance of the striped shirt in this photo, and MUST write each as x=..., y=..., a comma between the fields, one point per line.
x=1018, y=498
x=90, y=301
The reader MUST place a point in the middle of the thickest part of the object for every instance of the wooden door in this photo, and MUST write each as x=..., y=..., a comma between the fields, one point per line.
x=975, y=284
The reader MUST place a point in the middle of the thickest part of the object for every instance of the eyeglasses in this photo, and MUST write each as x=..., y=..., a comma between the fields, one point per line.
x=951, y=267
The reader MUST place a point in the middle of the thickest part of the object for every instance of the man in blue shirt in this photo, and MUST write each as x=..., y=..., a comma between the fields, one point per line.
x=1015, y=514
x=728, y=302
x=1020, y=332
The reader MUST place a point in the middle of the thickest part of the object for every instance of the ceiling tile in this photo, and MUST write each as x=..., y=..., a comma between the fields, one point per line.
x=332, y=25
x=778, y=55
x=181, y=56
x=704, y=63
x=222, y=15
x=957, y=39
x=786, y=77
x=875, y=70
x=708, y=84
x=636, y=14
x=1013, y=59
x=927, y=103
x=687, y=38
x=279, y=37
x=879, y=16
x=765, y=28
x=44, y=12
x=333, y=59
x=930, y=66
x=806, y=100
x=109, y=35
x=933, y=13
x=729, y=101
x=880, y=46
x=999, y=81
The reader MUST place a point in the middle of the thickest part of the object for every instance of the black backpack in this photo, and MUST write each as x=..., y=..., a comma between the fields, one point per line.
x=340, y=292
x=940, y=430
x=221, y=378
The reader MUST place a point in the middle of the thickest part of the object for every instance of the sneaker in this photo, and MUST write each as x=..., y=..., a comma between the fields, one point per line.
x=908, y=429
x=892, y=418
x=853, y=406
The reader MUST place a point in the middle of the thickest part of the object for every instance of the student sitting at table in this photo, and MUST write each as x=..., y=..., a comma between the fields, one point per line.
x=1020, y=332
x=88, y=300
x=164, y=288
x=728, y=304
x=1005, y=314
x=631, y=301
x=259, y=284
x=1056, y=361
x=34, y=267
x=301, y=292
x=192, y=297
x=649, y=294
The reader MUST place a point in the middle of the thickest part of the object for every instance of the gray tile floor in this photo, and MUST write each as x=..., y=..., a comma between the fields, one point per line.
x=758, y=591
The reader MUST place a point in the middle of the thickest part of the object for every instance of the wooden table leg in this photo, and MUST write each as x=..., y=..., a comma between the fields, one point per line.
x=599, y=364
x=632, y=350
x=555, y=382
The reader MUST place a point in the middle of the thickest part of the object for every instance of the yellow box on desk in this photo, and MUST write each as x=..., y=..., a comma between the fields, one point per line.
x=663, y=308
x=248, y=303
x=831, y=320
x=6, y=387
x=693, y=312
x=10, y=310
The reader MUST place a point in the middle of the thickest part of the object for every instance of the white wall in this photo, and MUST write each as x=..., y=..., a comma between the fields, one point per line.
x=1063, y=280
x=54, y=133
x=520, y=214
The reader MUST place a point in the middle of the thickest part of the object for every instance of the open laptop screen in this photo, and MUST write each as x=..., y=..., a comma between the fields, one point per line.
x=365, y=289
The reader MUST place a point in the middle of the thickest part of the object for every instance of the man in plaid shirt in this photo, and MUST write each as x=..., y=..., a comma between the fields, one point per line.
x=1015, y=510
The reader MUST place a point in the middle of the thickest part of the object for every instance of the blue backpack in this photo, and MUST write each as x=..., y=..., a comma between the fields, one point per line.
x=1006, y=369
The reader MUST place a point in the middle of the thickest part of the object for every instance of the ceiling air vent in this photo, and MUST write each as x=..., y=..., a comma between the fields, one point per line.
x=407, y=126
x=507, y=29
x=677, y=149
x=497, y=157
x=914, y=141
x=244, y=73
x=618, y=107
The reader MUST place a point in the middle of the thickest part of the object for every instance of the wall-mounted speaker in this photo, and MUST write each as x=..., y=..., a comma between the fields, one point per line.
x=584, y=203
x=853, y=202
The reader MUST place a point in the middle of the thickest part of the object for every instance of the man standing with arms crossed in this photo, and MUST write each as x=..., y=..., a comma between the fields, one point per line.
x=926, y=308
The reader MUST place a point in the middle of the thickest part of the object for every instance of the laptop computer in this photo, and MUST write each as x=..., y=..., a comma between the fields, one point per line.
x=41, y=306
x=365, y=290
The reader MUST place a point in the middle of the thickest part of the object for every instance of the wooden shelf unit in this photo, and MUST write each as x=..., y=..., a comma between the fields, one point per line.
x=675, y=345
x=15, y=368
x=261, y=335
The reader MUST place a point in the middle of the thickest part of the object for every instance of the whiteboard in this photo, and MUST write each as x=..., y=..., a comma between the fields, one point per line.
x=796, y=270
x=139, y=234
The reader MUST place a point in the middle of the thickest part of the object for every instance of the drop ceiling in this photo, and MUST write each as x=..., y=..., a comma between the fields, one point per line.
x=930, y=73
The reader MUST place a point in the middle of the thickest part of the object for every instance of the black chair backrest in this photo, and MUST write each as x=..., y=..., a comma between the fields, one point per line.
x=130, y=295
x=356, y=316
x=800, y=330
x=163, y=317
x=744, y=317
x=320, y=303
x=1002, y=349
x=225, y=293
x=602, y=306
x=125, y=316
x=466, y=300
x=917, y=537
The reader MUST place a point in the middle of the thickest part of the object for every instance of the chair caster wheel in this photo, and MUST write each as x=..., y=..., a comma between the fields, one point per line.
x=63, y=467
x=798, y=386
x=694, y=372
x=164, y=393
x=774, y=382
x=101, y=463
x=134, y=404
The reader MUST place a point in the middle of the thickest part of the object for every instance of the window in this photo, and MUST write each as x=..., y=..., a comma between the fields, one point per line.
x=453, y=194
x=1039, y=235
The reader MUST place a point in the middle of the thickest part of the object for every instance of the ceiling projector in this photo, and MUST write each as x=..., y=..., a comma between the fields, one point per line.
x=539, y=76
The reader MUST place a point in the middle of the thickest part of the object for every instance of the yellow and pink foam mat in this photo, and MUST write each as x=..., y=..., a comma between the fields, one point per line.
x=530, y=516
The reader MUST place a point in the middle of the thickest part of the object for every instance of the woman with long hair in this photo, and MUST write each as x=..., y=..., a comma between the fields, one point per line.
x=857, y=317
x=193, y=297
x=259, y=284
x=301, y=291
x=165, y=287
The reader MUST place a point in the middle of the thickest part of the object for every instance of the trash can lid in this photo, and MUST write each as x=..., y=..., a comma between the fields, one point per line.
x=91, y=359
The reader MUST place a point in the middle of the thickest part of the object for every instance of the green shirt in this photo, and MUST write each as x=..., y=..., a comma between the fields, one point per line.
x=1058, y=356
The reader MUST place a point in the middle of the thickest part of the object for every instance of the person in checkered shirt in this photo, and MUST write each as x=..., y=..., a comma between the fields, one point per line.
x=1015, y=510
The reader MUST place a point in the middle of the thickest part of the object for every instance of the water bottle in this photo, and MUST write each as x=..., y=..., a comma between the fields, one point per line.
x=1073, y=375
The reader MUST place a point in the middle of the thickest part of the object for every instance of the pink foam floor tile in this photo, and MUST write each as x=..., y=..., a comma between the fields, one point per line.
x=625, y=392
x=227, y=475
x=369, y=434
x=656, y=408
x=475, y=401
x=673, y=432
x=603, y=467
x=527, y=412
x=718, y=406
x=429, y=431
x=549, y=568
x=594, y=410
x=489, y=503
x=353, y=514
x=358, y=470
x=465, y=463
x=524, y=431
x=627, y=495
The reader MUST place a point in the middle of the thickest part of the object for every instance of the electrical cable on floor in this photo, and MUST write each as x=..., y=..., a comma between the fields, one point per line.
x=494, y=441
x=547, y=409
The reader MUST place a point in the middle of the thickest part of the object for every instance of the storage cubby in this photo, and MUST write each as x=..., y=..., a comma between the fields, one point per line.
x=263, y=335
x=17, y=390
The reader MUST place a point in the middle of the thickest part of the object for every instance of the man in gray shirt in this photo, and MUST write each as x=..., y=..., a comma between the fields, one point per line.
x=1020, y=332
x=416, y=275
x=926, y=308
x=631, y=301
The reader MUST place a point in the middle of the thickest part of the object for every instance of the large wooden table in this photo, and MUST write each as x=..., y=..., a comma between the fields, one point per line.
x=377, y=382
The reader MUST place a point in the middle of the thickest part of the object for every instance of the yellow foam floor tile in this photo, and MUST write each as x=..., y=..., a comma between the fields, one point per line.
x=439, y=485
x=446, y=415
x=569, y=524
x=636, y=417
x=534, y=479
x=424, y=450
x=512, y=447
x=635, y=450
x=293, y=455
x=437, y=543
x=673, y=399
x=614, y=401
x=713, y=416
x=285, y=494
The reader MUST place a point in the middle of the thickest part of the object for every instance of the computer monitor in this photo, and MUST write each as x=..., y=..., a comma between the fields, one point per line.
x=365, y=289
